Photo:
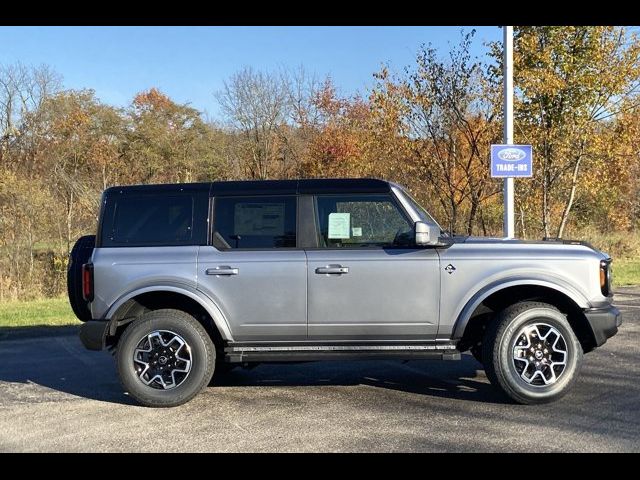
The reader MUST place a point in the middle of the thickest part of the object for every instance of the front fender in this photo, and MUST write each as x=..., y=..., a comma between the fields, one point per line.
x=205, y=302
x=558, y=284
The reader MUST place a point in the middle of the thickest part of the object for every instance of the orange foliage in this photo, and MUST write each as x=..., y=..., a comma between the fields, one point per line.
x=152, y=99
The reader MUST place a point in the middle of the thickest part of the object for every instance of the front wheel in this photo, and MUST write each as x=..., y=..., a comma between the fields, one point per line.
x=531, y=353
x=165, y=358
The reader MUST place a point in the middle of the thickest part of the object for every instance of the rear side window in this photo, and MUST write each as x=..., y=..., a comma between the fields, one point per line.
x=254, y=222
x=154, y=219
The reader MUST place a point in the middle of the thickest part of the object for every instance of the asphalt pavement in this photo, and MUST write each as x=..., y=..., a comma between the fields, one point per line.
x=56, y=396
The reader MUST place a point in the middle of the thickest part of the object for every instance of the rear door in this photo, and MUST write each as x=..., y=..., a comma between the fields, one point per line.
x=254, y=270
x=367, y=281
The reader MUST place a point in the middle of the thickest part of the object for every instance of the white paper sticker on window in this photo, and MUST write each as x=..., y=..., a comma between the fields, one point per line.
x=259, y=219
x=356, y=231
x=339, y=225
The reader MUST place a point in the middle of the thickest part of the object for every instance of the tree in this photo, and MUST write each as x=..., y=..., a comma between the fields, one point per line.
x=168, y=142
x=445, y=113
x=78, y=142
x=22, y=92
x=257, y=105
x=305, y=118
x=338, y=147
x=569, y=80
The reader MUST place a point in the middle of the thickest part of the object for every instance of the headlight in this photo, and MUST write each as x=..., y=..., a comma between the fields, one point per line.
x=606, y=277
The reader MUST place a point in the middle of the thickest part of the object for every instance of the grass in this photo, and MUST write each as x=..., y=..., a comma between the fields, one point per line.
x=43, y=312
x=626, y=271
x=624, y=248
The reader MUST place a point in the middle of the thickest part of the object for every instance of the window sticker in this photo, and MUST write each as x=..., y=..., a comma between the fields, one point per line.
x=356, y=231
x=339, y=225
x=259, y=219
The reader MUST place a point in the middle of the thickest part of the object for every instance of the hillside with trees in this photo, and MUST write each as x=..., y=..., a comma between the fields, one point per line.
x=428, y=127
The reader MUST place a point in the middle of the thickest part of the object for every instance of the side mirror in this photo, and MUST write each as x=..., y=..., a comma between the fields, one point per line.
x=426, y=234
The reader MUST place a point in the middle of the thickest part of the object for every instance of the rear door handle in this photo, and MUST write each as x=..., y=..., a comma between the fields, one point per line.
x=333, y=269
x=223, y=270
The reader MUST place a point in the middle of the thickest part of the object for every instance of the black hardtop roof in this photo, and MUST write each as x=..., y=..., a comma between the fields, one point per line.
x=266, y=187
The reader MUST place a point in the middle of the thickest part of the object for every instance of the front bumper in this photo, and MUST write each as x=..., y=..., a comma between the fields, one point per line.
x=93, y=334
x=604, y=322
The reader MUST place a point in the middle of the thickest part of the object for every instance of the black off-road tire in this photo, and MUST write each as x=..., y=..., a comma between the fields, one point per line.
x=79, y=255
x=476, y=352
x=497, y=353
x=202, y=351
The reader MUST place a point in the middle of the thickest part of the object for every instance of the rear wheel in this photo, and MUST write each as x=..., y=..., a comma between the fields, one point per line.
x=165, y=358
x=531, y=353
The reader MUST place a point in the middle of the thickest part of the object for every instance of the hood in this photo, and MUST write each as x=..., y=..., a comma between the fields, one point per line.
x=557, y=242
x=501, y=240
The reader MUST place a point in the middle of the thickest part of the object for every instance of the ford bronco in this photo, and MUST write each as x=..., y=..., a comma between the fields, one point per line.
x=185, y=280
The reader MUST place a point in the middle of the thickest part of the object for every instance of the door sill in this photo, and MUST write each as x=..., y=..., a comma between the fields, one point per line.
x=241, y=353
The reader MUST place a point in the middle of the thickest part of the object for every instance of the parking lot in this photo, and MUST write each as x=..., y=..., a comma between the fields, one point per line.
x=55, y=396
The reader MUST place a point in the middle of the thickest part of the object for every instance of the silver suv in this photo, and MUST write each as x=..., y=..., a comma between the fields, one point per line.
x=190, y=279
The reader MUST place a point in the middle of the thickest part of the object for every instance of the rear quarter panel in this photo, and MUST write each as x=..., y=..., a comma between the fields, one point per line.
x=119, y=271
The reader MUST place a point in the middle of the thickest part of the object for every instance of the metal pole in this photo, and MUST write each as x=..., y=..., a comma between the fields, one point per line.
x=508, y=189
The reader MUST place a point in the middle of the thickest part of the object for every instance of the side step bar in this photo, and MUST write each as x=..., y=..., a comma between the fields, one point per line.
x=310, y=353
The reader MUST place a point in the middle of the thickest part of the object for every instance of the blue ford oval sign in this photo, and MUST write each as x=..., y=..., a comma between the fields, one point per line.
x=511, y=161
x=512, y=154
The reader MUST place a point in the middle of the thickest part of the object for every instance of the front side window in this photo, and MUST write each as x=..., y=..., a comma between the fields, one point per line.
x=422, y=213
x=254, y=222
x=354, y=221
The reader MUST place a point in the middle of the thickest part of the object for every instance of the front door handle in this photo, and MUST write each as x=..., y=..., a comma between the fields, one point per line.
x=333, y=269
x=222, y=270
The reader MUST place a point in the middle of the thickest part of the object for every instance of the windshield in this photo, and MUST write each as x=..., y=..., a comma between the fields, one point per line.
x=422, y=213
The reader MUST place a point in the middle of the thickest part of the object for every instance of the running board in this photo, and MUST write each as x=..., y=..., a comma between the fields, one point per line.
x=310, y=353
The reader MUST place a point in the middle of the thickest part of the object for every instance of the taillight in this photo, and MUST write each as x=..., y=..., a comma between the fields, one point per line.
x=87, y=282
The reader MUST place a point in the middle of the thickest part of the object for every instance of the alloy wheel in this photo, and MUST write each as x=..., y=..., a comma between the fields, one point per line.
x=162, y=359
x=540, y=354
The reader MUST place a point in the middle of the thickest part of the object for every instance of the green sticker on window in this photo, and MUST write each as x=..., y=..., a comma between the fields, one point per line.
x=339, y=225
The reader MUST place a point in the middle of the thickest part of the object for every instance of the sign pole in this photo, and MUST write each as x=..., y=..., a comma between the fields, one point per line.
x=508, y=160
x=508, y=188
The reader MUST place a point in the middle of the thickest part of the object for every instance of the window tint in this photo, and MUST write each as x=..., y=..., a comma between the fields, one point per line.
x=255, y=222
x=151, y=220
x=362, y=221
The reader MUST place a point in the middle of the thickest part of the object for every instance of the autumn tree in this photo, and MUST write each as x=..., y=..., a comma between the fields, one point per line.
x=610, y=183
x=569, y=80
x=338, y=148
x=444, y=109
x=79, y=145
x=26, y=212
x=428, y=127
x=26, y=217
x=167, y=141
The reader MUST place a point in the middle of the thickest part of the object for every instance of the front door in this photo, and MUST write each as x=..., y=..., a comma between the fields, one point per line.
x=367, y=281
x=253, y=271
